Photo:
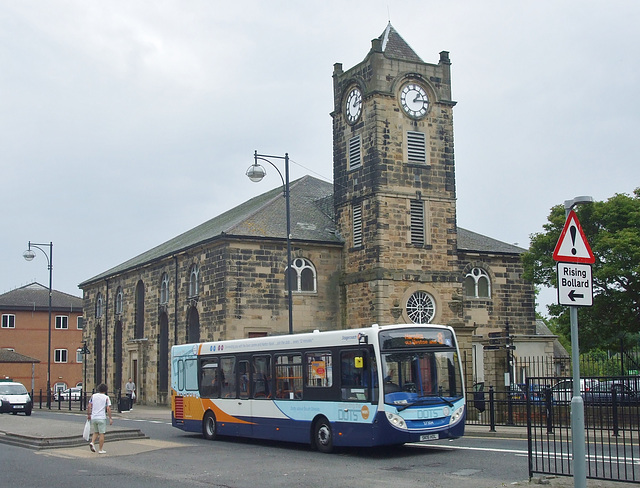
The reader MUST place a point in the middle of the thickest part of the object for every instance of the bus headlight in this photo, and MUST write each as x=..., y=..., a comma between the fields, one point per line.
x=396, y=420
x=456, y=416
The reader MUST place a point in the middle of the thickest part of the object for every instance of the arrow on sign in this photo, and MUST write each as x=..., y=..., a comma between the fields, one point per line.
x=573, y=295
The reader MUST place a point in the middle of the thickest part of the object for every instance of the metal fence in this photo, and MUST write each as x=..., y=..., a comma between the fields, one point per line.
x=79, y=403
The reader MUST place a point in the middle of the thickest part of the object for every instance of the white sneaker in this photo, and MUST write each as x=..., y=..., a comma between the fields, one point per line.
x=102, y=452
x=92, y=447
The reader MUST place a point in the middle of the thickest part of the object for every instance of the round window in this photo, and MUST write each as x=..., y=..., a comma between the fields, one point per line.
x=421, y=308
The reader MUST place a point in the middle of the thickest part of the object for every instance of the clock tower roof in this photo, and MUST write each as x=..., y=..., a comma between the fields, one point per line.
x=394, y=46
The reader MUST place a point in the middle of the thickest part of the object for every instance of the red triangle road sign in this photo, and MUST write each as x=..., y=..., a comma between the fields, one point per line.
x=573, y=247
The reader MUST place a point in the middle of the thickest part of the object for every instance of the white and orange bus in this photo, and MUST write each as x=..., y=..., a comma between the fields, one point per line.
x=358, y=387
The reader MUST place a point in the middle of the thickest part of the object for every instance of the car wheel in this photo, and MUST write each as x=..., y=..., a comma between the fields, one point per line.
x=27, y=412
x=209, y=430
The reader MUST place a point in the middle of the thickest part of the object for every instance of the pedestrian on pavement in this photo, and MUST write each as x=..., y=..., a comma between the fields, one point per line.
x=130, y=389
x=97, y=411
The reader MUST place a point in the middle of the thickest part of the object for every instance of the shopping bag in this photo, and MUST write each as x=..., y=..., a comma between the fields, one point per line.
x=133, y=395
x=86, y=434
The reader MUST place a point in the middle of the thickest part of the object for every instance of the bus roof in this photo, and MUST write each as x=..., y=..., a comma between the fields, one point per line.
x=353, y=337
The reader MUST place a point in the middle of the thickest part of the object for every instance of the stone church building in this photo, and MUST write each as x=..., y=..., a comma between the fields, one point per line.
x=380, y=244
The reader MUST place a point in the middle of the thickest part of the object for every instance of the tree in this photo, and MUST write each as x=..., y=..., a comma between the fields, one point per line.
x=613, y=231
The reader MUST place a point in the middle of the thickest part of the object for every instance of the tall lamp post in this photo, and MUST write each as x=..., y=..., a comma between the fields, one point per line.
x=577, y=404
x=255, y=173
x=85, y=352
x=29, y=255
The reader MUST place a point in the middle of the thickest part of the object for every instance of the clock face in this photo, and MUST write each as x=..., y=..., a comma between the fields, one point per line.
x=354, y=105
x=414, y=100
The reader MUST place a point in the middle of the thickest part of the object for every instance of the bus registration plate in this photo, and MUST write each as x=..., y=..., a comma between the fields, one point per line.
x=429, y=437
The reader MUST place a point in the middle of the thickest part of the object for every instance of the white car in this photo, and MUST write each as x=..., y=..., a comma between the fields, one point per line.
x=75, y=393
x=14, y=398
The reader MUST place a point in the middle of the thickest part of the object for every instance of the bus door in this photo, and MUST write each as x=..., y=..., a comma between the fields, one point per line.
x=358, y=376
x=261, y=390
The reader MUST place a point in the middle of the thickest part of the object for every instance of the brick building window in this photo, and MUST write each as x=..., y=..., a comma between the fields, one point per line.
x=8, y=321
x=417, y=222
x=416, y=147
x=99, y=305
x=194, y=287
x=60, y=356
x=355, y=152
x=303, y=276
x=80, y=322
x=357, y=225
x=477, y=284
x=62, y=322
x=164, y=288
x=119, y=298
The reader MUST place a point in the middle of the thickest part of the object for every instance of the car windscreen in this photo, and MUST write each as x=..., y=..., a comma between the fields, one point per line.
x=12, y=390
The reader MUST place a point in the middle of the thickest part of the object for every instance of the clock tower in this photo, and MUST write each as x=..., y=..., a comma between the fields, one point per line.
x=394, y=187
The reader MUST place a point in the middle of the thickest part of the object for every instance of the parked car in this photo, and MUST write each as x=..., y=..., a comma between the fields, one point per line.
x=14, y=398
x=562, y=392
x=75, y=393
x=518, y=393
x=625, y=392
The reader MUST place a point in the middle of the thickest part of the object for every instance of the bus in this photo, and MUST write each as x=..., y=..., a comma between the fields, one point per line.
x=373, y=386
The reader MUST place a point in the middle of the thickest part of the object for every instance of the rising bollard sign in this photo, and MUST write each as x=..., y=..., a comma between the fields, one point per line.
x=574, y=256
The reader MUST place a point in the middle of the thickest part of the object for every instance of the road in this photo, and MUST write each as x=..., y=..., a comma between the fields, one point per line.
x=171, y=458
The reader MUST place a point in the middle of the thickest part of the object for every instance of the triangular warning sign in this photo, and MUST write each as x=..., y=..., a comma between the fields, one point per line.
x=573, y=247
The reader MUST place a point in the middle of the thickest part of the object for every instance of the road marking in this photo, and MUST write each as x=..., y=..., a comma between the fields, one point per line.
x=465, y=448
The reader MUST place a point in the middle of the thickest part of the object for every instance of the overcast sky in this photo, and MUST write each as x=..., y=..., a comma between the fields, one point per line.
x=126, y=123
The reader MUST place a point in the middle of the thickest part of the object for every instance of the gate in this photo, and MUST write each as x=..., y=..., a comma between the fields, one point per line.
x=612, y=427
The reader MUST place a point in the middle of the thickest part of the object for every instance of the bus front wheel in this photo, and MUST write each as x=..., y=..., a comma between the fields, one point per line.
x=209, y=426
x=323, y=436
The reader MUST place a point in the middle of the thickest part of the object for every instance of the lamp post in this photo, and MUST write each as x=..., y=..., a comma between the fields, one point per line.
x=85, y=352
x=29, y=255
x=255, y=173
x=577, y=403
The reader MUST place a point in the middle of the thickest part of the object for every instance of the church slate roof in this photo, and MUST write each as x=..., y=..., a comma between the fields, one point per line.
x=36, y=297
x=394, y=46
x=312, y=220
x=311, y=210
x=473, y=242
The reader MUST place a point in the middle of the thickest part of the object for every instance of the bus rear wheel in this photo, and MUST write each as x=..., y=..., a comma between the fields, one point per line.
x=323, y=435
x=209, y=427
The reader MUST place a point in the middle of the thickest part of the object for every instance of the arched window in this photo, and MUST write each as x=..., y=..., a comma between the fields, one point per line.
x=99, y=305
x=194, y=287
x=477, y=284
x=303, y=276
x=164, y=289
x=139, y=325
x=421, y=308
x=119, y=301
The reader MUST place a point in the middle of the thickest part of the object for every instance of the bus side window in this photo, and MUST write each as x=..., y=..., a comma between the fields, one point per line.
x=209, y=384
x=355, y=378
x=228, y=377
x=262, y=376
x=243, y=379
x=289, y=376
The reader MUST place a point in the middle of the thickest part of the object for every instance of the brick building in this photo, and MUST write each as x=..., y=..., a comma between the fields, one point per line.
x=25, y=331
x=379, y=245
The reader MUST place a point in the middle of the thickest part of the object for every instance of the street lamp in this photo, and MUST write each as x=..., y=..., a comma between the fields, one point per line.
x=85, y=352
x=255, y=173
x=577, y=404
x=29, y=255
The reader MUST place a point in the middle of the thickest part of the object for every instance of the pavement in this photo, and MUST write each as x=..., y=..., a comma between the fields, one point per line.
x=39, y=433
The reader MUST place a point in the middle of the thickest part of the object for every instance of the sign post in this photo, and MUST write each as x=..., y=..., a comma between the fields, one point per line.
x=575, y=288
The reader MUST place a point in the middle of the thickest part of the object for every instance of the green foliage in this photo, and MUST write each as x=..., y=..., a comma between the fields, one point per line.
x=613, y=231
